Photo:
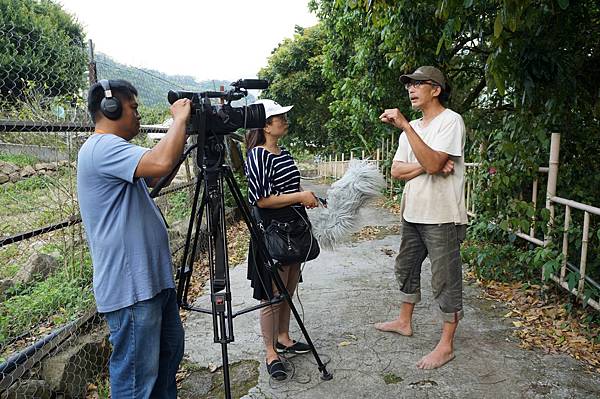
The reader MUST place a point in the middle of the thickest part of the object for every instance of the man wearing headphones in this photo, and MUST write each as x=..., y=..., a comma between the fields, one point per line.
x=127, y=236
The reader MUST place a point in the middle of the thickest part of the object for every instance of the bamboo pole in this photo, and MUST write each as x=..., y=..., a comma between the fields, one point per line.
x=382, y=152
x=387, y=147
x=565, y=245
x=394, y=152
x=534, y=201
x=468, y=193
x=343, y=165
x=584, y=246
x=552, y=179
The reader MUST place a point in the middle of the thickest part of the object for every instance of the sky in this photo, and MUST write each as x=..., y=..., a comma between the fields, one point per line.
x=221, y=39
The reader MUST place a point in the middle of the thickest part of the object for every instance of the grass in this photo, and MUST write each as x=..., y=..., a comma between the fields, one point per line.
x=53, y=301
x=28, y=204
x=25, y=205
x=391, y=378
x=178, y=206
x=19, y=160
x=35, y=201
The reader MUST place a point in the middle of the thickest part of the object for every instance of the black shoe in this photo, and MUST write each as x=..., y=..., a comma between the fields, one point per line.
x=277, y=370
x=297, y=348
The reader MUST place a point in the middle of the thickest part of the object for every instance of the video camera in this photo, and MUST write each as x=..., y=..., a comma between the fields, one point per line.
x=225, y=118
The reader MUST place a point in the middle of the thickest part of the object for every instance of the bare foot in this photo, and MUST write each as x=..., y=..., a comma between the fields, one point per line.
x=396, y=326
x=437, y=358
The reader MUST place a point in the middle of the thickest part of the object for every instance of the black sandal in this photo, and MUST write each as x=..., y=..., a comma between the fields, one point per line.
x=297, y=348
x=276, y=370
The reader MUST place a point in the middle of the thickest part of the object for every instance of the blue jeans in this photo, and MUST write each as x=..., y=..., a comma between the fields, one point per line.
x=147, y=347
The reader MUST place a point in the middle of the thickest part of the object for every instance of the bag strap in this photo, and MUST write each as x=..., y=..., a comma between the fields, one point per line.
x=257, y=218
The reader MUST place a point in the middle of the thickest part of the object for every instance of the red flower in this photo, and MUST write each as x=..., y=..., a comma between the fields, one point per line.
x=492, y=171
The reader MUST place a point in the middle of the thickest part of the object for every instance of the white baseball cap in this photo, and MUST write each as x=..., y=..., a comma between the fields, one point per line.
x=273, y=108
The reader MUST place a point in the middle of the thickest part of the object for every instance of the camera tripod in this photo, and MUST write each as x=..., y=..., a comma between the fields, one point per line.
x=213, y=173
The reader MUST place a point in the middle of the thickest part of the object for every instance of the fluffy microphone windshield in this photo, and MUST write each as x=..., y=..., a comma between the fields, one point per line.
x=361, y=183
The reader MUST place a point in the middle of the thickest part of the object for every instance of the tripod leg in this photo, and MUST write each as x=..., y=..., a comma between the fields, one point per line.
x=243, y=206
x=184, y=273
x=219, y=268
x=219, y=301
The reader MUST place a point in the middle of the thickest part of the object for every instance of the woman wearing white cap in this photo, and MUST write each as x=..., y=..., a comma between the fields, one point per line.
x=274, y=188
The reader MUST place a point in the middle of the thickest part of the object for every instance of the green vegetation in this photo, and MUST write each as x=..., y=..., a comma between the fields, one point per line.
x=519, y=71
x=56, y=300
x=35, y=201
x=179, y=205
x=53, y=56
x=391, y=378
x=294, y=71
x=495, y=254
x=19, y=160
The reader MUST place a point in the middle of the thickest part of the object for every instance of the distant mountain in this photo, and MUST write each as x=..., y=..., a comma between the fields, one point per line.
x=153, y=85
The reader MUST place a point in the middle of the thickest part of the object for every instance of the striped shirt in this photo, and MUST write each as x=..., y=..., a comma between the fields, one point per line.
x=269, y=174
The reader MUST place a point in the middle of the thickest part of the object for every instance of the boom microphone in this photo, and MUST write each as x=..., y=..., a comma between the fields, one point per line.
x=361, y=183
x=250, y=84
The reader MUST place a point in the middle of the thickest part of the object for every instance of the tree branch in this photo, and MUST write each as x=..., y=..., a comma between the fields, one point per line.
x=474, y=94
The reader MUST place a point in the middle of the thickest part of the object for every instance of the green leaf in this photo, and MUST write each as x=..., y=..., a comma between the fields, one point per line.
x=547, y=270
x=499, y=80
x=587, y=294
x=563, y=4
x=467, y=3
x=439, y=45
x=498, y=26
x=572, y=280
x=530, y=212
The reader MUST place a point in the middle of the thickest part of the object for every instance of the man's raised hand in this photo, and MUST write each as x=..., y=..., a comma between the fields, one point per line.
x=394, y=117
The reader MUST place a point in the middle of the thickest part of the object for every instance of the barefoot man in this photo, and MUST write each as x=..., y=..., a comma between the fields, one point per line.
x=430, y=159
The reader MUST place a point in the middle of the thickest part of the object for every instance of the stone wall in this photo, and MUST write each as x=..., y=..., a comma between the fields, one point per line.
x=10, y=172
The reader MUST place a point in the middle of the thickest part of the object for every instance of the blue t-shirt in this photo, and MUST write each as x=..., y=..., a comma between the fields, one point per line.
x=126, y=233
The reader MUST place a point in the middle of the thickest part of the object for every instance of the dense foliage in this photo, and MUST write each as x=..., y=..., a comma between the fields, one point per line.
x=40, y=45
x=295, y=73
x=520, y=70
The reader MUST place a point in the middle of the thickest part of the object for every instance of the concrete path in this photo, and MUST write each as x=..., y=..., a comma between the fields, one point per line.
x=344, y=293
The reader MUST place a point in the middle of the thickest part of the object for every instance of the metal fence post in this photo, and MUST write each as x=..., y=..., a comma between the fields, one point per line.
x=92, y=72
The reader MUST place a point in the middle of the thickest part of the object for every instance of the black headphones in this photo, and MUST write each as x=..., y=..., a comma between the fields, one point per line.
x=110, y=105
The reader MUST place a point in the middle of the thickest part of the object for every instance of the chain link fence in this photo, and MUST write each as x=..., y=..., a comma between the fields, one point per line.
x=53, y=344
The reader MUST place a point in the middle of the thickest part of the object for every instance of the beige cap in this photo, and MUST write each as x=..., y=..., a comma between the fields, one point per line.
x=426, y=73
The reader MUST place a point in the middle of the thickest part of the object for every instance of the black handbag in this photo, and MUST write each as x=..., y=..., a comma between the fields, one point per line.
x=291, y=241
